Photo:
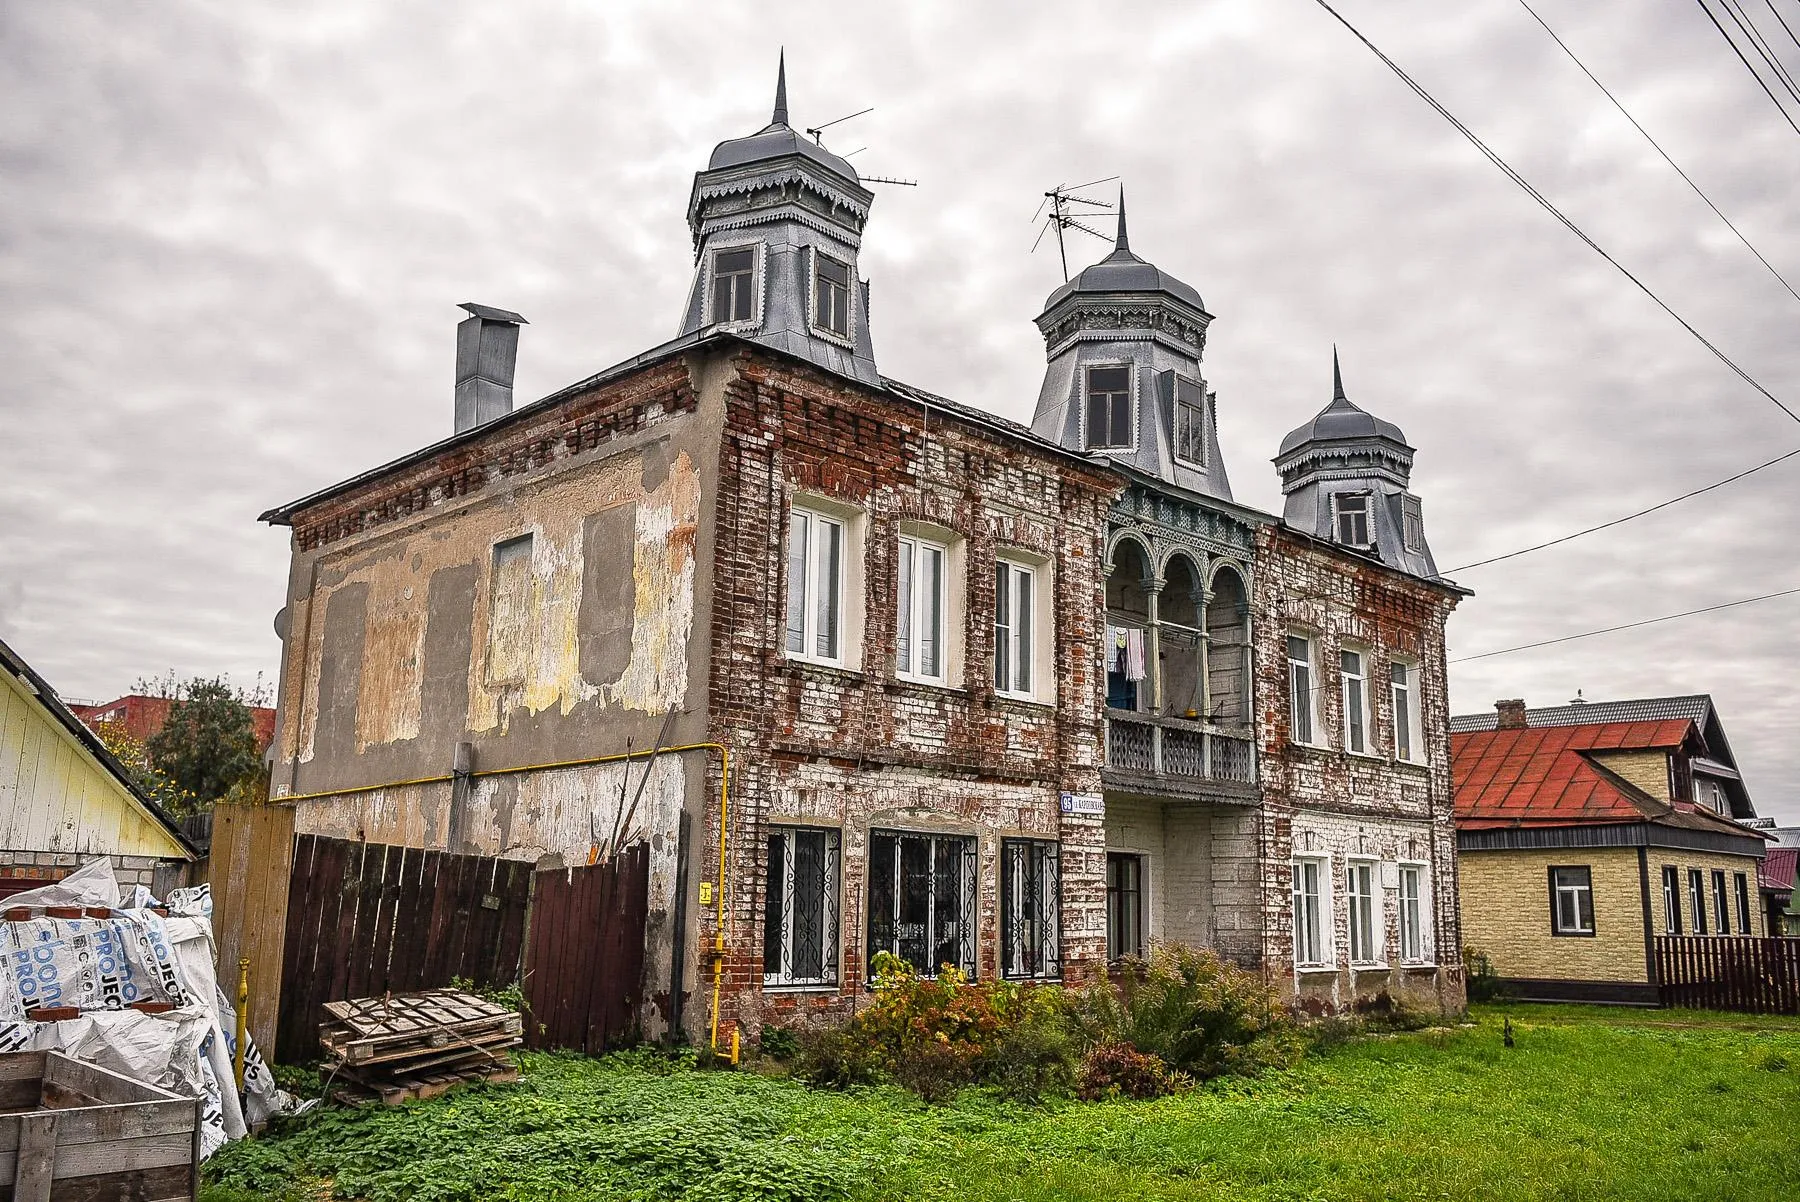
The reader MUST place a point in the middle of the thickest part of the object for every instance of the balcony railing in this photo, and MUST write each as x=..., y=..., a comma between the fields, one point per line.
x=1178, y=748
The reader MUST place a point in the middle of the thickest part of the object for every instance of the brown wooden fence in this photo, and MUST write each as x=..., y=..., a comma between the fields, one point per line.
x=585, y=968
x=1759, y=976
x=252, y=850
x=367, y=918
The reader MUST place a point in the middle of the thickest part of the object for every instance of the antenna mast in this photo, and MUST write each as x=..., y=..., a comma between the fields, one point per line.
x=1063, y=215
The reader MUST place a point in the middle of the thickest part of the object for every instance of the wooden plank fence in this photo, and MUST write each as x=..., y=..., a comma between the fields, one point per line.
x=252, y=850
x=585, y=969
x=1701, y=972
x=365, y=919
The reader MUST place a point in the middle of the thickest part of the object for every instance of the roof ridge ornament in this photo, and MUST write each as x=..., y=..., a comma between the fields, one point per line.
x=1337, y=377
x=781, y=107
x=1122, y=243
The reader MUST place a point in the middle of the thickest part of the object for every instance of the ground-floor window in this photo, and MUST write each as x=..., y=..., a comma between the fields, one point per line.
x=1365, y=943
x=1124, y=905
x=1412, y=913
x=1312, y=909
x=1030, y=934
x=1671, y=881
x=1697, y=899
x=922, y=900
x=1742, y=880
x=800, y=918
x=1572, y=901
x=1721, y=902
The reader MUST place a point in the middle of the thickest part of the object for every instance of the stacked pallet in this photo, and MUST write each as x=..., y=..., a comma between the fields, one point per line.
x=404, y=1046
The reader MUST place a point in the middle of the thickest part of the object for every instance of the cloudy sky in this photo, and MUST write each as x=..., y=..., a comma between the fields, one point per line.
x=234, y=234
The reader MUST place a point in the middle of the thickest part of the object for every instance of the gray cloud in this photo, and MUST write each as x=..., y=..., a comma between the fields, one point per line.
x=236, y=232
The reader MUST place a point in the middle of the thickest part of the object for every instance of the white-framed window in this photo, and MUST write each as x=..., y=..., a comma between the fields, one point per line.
x=1697, y=899
x=921, y=606
x=1572, y=900
x=800, y=910
x=1415, y=915
x=511, y=629
x=1312, y=911
x=832, y=283
x=1404, y=677
x=1303, y=701
x=734, y=297
x=1742, y=881
x=815, y=586
x=1365, y=913
x=1671, y=885
x=1353, y=670
x=1111, y=413
x=1412, y=523
x=1350, y=512
x=1721, y=903
x=1015, y=628
x=1030, y=933
x=1190, y=421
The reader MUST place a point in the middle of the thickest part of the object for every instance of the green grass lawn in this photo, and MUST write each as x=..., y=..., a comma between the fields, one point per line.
x=1590, y=1104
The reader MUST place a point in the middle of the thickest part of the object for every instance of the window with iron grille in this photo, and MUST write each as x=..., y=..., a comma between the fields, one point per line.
x=1030, y=935
x=1124, y=905
x=1190, y=422
x=1572, y=901
x=1671, y=881
x=831, y=295
x=734, y=285
x=800, y=913
x=1721, y=902
x=922, y=900
x=1109, y=407
x=1742, y=881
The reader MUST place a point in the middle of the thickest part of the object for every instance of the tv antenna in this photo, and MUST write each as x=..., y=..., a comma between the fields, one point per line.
x=867, y=179
x=821, y=129
x=1065, y=214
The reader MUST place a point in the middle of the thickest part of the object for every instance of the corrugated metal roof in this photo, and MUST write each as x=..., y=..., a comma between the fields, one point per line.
x=1778, y=866
x=1541, y=776
x=1693, y=707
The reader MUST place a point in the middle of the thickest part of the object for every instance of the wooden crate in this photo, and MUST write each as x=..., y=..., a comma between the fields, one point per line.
x=75, y=1132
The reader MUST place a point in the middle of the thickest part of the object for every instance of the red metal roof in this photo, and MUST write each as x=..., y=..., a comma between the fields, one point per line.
x=1538, y=776
x=1777, y=868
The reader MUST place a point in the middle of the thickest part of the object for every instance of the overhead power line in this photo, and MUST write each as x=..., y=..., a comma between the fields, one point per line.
x=1588, y=634
x=1760, y=44
x=1792, y=36
x=1658, y=147
x=1628, y=517
x=1549, y=207
x=1735, y=49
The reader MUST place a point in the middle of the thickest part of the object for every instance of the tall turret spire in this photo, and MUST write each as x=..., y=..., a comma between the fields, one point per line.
x=780, y=117
x=1337, y=377
x=1123, y=241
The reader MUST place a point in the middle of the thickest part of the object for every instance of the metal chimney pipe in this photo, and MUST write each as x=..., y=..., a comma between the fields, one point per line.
x=487, y=351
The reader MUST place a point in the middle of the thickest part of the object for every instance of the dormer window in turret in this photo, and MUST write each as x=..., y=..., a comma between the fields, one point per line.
x=1110, y=412
x=831, y=296
x=1351, y=510
x=1190, y=422
x=736, y=298
x=1412, y=523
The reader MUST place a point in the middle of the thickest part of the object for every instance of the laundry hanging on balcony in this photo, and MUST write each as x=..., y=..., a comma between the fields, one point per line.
x=1127, y=651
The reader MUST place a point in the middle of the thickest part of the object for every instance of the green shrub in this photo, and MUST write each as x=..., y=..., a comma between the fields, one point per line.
x=1199, y=1014
x=778, y=1043
x=1483, y=982
x=835, y=1058
x=935, y=1071
x=1037, y=1058
x=1118, y=1070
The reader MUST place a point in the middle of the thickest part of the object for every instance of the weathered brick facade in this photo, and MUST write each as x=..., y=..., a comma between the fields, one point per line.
x=1323, y=800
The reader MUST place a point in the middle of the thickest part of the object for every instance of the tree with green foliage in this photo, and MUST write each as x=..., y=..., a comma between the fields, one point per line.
x=135, y=759
x=208, y=743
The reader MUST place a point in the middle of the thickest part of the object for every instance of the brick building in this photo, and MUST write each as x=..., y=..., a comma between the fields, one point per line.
x=1003, y=698
x=142, y=716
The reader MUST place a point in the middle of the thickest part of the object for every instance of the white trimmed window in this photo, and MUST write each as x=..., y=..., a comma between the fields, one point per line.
x=921, y=608
x=1015, y=629
x=1572, y=901
x=1721, y=903
x=1312, y=912
x=1111, y=416
x=800, y=911
x=1697, y=899
x=815, y=586
x=1405, y=680
x=1365, y=913
x=1353, y=668
x=733, y=278
x=1350, y=511
x=1415, y=915
x=831, y=295
x=1671, y=885
x=1303, y=700
x=1742, y=881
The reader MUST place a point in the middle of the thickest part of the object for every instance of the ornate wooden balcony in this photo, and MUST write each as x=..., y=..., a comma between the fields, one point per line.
x=1163, y=756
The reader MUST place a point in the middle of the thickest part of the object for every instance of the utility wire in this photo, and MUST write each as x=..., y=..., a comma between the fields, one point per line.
x=1792, y=37
x=1628, y=517
x=1588, y=634
x=1658, y=147
x=1760, y=44
x=1729, y=41
x=1544, y=201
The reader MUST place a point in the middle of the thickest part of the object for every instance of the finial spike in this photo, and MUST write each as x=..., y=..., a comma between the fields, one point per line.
x=1122, y=242
x=781, y=116
x=1337, y=377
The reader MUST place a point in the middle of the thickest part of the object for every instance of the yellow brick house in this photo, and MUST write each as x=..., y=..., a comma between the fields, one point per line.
x=1586, y=831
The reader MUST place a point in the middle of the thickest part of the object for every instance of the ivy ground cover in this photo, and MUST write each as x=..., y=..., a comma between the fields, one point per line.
x=1587, y=1104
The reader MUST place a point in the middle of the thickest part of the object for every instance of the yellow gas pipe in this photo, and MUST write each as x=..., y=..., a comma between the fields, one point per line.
x=243, y=1006
x=718, y=954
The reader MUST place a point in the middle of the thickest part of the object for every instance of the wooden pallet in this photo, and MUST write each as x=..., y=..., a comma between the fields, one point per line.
x=372, y=1030
x=418, y=1086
